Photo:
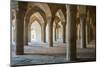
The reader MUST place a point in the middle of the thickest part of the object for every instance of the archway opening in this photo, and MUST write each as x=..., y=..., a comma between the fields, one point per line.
x=35, y=29
x=59, y=33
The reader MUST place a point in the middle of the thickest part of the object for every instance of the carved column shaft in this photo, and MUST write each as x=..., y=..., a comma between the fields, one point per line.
x=71, y=31
x=83, y=31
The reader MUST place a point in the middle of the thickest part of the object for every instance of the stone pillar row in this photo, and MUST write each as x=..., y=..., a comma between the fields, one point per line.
x=71, y=32
x=71, y=46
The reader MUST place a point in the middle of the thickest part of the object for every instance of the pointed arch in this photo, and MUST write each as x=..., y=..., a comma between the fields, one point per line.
x=60, y=14
x=28, y=14
x=35, y=32
x=35, y=17
x=62, y=24
x=31, y=11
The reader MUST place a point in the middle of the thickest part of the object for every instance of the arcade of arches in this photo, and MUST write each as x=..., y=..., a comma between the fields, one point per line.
x=54, y=28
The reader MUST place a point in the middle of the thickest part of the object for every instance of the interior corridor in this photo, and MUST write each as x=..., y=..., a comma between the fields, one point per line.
x=45, y=33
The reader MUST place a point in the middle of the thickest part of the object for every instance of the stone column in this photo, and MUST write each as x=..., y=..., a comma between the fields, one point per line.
x=26, y=36
x=88, y=29
x=64, y=33
x=43, y=34
x=87, y=34
x=50, y=34
x=55, y=34
x=71, y=32
x=83, y=32
x=14, y=35
x=20, y=29
x=91, y=30
x=78, y=32
x=29, y=34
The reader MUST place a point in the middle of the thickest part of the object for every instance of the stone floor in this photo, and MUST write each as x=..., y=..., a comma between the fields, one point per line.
x=48, y=55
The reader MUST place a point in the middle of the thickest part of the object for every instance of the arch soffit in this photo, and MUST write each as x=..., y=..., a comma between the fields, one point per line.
x=57, y=22
x=35, y=19
x=61, y=16
x=31, y=11
x=38, y=16
x=45, y=8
